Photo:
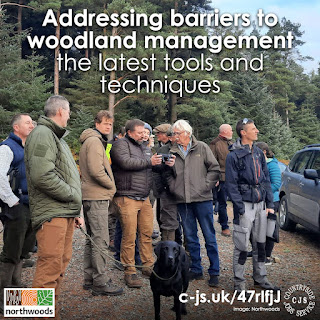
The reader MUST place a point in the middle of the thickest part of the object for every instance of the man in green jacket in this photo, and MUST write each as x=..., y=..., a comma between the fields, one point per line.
x=54, y=194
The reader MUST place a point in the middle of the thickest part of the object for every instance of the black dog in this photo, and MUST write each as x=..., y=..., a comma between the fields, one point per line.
x=172, y=267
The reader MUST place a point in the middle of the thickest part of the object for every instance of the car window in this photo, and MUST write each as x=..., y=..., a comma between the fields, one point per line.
x=294, y=161
x=301, y=162
x=316, y=163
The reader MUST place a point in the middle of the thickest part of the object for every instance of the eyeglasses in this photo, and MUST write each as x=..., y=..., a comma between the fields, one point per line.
x=69, y=111
x=245, y=121
x=177, y=133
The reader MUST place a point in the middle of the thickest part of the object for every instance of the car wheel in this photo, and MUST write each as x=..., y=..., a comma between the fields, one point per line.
x=285, y=222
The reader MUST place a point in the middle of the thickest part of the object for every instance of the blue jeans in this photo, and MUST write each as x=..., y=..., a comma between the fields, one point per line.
x=203, y=212
x=117, y=244
x=222, y=201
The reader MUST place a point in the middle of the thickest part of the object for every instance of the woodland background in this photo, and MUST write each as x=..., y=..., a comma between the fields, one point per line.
x=283, y=99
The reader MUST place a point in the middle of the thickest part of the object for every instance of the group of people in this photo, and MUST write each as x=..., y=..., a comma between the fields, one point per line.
x=183, y=173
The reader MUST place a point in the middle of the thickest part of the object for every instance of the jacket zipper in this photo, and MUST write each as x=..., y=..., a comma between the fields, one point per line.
x=256, y=175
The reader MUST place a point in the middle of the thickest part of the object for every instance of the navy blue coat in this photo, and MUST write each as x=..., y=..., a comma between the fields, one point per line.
x=15, y=144
x=247, y=177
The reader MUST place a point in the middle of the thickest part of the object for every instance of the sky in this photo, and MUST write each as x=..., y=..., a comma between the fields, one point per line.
x=305, y=12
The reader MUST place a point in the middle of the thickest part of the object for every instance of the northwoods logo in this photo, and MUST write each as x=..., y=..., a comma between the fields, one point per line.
x=19, y=302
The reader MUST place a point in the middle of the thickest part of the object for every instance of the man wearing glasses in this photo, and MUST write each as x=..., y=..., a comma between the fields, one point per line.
x=248, y=185
x=195, y=173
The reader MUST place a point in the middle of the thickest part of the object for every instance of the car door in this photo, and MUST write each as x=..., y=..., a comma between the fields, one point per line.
x=294, y=178
x=310, y=194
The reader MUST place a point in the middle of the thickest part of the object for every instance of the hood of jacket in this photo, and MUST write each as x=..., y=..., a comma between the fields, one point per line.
x=88, y=133
x=241, y=149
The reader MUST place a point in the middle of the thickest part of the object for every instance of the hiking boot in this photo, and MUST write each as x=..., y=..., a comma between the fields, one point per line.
x=146, y=272
x=118, y=265
x=266, y=286
x=132, y=281
x=240, y=289
x=268, y=261
x=226, y=233
x=276, y=259
x=213, y=281
x=28, y=263
x=87, y=286
x=195, y=276
x=109, y=289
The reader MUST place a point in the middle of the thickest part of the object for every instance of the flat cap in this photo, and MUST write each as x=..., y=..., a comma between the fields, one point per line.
x=164, y=128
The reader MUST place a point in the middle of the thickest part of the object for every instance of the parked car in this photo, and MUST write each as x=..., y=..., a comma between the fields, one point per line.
x=300, y=190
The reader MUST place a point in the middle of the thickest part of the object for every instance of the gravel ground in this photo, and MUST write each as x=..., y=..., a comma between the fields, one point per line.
x=298, y=252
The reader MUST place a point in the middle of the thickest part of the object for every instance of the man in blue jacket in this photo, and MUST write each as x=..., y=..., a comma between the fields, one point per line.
x=249, y=188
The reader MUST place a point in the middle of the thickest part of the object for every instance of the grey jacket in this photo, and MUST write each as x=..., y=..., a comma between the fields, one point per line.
x=195, y=175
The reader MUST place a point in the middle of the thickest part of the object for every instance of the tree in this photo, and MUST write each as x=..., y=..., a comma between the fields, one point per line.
x=56, y=5
x=252, y=99
x=23, y=87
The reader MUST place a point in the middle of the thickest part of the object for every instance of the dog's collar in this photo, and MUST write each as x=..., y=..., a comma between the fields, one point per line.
x=166, y=279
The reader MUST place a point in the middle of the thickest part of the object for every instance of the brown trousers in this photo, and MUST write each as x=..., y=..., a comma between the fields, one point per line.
x=135, y=215
x=54, y=253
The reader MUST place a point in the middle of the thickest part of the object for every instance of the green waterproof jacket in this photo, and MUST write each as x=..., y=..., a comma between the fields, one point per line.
x=52, y=175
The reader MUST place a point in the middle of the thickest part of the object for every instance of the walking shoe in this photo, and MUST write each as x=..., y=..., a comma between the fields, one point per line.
x=268, y=261
x=213, y=281
x=276, y=259
x=195, y=276
x=109, y=289
x=249, y=254
x=28, y=263
x=132, y=281
x=119, y=265
x=87, y=286
x=266, y=286
x=226, y=232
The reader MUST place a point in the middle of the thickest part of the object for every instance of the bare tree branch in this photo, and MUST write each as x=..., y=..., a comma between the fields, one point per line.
x=126, y=97
x=14, y=4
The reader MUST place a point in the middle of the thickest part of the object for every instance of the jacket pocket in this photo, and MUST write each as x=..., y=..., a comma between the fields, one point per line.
x=240, y=237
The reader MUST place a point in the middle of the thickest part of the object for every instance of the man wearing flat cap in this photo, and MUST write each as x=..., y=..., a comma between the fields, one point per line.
x=162, y=132
x=166, y=202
